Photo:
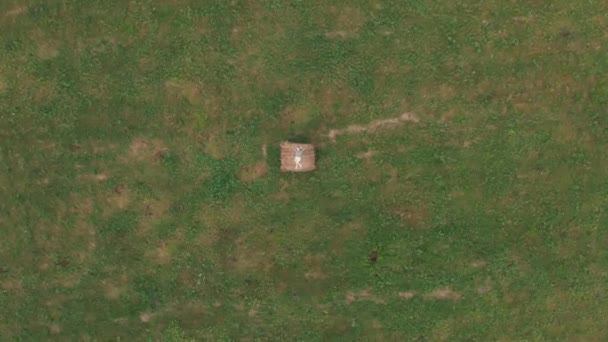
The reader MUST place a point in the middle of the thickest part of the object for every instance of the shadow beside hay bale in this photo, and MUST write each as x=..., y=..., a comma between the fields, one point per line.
x=299, y=139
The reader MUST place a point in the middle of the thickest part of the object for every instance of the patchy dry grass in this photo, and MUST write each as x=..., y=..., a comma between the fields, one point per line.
x=178, y=89
x=146, y=149
x=247, y=258
x=142, y=197
x=252, y=173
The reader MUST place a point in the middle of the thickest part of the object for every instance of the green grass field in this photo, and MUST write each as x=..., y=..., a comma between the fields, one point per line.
x=141, y=197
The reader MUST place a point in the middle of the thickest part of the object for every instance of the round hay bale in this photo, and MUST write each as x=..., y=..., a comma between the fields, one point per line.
x=297, y=157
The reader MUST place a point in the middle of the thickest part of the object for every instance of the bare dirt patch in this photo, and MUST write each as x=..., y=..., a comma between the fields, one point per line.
x=411, y=117
x=352, y=230
x=39, y=91
x=208, y=238
x=414, y=217
x=146, y=317
x=366, y=155
x=282, y=194
x=597, y=270
x=338, y=35
x=516, y=297
x=99, y=177
x=138, y=146
x=313, y=265
x=484, y=289
x=469, y=143
x=146, y=149
x=349, y=22
x=47, y=50
x=11, y=285
x=407, y=294
x=443, y=294
x=161, y=254
x=69, y=280
x=55, y=328
x=117, y=200
x=478, y=264
x=447, y=92
x=376, y=324
x=351, y=19
x=202, y=27
x=350, y=297
x=180, y=89
x=252, y=173
x=255, y=308
x=119, y=320
x=374, y=125
x=250, y=258
x=264, y=151
x=121, y=199
x=147, y=64
x=216, y=146
x=448, y=115
x=523, y=19
x=363, y=295
x=566, y=132
x=15, y=11
x=113, y=289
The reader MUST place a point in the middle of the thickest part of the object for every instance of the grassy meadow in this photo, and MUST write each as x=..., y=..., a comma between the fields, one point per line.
x=141, y=198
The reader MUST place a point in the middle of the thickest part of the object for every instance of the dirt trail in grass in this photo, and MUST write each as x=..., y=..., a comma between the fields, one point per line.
x=15, y=11
x=445, y=293
x=374, y=125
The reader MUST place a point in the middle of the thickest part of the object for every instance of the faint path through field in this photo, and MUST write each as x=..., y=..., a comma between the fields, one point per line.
x=374, y=125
